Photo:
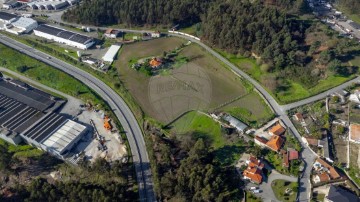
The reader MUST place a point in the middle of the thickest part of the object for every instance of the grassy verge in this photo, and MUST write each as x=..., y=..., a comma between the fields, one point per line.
x=251, y=197
x=280, y=186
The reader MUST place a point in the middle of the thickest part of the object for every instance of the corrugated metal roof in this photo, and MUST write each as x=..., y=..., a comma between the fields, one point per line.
x=235, y=122
x=111, y=53
x=64, y=136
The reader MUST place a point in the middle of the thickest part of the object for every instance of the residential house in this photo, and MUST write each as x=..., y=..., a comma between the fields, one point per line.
x=323, y=177
x=288, y=156
x=321, y=166
x=236, y=123
x=278, y=130
x=155, y=62
x=293, y=154
x=354, y=133
x=254, y=162
x=299, y=117
x=112, y=33
x=275, y=143
x=338, y=194
x=253, y=174
x=156, y=34
x=260, y=141
x=254, y=171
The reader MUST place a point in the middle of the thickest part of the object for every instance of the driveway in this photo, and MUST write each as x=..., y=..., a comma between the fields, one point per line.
x=267, y=194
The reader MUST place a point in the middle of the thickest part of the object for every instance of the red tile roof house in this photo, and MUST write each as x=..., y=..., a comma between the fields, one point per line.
x=293, y=154
x=254, y=171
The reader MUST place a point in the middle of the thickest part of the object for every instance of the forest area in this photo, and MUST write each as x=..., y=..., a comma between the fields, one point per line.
x=25, y=176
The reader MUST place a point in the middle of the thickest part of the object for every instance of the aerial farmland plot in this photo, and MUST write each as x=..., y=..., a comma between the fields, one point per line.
x=193, y=80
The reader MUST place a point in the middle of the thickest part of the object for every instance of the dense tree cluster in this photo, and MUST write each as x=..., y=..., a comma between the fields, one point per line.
x=138, y=12
x=187, y=171
x=238, y=27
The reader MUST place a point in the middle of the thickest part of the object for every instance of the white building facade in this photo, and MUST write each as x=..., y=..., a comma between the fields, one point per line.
x=65, y=37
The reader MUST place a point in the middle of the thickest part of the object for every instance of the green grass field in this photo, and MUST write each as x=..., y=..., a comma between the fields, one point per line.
x=251, y=109
x=201, y=125
x=279, y=187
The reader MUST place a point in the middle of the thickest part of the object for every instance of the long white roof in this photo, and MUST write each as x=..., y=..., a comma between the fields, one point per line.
x=64, y=136
x=111, y=53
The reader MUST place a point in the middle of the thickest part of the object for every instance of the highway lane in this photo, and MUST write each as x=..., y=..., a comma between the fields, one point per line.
x=117, y=104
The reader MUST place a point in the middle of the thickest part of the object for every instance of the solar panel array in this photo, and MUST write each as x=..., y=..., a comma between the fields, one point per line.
x=72, y=36
x=45, y=127
x=7, y=16
x=16, y=116
x=28, y=96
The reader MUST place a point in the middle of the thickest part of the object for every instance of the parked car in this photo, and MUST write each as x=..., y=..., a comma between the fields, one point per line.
x=256, y=191
x=254, y=188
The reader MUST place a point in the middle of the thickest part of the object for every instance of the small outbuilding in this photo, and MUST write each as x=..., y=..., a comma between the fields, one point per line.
x=111, y=53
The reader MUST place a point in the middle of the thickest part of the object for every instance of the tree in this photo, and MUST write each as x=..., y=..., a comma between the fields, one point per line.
x=334, y=65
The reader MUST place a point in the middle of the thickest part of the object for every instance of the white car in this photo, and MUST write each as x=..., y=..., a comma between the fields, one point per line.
x=256, y=191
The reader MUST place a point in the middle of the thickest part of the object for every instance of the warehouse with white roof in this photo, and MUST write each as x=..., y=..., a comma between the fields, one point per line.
x=21, y=25
x=111, y=53
x=64, y=138
x=63, y=36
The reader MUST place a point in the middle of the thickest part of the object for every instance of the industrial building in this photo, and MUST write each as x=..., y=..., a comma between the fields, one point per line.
x=111, y=53
x=6, y=18
x=15, y=24
x=65, y=37
x=28, y=114
x=21, y=25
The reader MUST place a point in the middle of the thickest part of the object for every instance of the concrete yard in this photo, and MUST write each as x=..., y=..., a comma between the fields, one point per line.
x=116, y=150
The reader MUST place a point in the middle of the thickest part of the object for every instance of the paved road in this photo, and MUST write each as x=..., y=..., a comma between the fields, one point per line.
x=117, y=104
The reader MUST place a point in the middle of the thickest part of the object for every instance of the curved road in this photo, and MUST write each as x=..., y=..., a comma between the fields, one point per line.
x=117, y=104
